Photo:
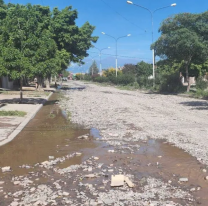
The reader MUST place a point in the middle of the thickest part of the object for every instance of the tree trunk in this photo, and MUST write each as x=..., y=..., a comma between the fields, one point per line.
x=40, y=83
x=21, y=94
x=47, y=82
x=187, y=77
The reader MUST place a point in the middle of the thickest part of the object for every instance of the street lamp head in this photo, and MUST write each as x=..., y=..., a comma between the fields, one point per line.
x=173, y=4
x=103, y=32
x=129, y=2
x=128, y=34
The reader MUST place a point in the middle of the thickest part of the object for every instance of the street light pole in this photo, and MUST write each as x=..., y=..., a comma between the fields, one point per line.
x=151, y=13
x=100, y=50
x=116, y=39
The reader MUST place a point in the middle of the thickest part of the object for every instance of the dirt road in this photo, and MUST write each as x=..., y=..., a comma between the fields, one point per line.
x=111, y=132
x=180, y=120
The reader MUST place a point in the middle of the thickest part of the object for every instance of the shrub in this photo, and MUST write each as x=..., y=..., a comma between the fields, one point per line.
x=79, y=76
x=94, y=76
x=145, y=82
x=87, y=77
x=101, y=79
x=123, y=79
x=171, y=83
x=135, y=85
x=111, y=72
x=201, y=93
x=201, y=84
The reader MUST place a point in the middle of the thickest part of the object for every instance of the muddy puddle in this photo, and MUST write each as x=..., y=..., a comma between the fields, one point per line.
x=50, y=134
x=47, y=134
x=158, y=159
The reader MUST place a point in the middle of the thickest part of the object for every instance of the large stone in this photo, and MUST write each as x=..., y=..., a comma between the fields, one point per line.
x=14, y=204
x=6, y=169
x=108, y=201
x=183, y=179
x=78, y=153
x=45, y=163
x=90, y=176
x=17, y=182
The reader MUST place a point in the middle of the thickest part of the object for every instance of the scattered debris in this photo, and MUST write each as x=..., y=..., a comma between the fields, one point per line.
x=118, y=180
x=51, y=157
x=183, y=179
x=6, y=169
x=128, y=182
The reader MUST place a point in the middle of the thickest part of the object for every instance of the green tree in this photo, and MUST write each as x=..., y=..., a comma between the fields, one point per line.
x=69, y=37
x=111, y=72
x=129, y=69
x=93, y=68
x=65, y=73
x=183, y=39
x=38, y=42
x=143, y=69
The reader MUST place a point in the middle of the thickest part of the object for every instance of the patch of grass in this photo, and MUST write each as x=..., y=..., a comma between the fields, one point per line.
x=13, y=113
x=52, y=116
x=200, y=94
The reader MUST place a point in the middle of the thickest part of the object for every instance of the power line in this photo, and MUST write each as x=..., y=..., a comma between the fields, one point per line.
x=119, y=55
x=123, y=16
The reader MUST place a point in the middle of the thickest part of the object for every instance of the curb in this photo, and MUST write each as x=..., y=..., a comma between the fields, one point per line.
x=24, y=123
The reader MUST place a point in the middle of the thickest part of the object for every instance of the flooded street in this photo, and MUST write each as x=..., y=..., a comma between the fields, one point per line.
x=67, y=157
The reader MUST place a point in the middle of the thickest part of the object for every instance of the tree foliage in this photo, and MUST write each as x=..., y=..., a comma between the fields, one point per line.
x=36, y=41
x=111, y=72
x=93, y=68
x=143, y=69
x=129, y=69
x=184, y=39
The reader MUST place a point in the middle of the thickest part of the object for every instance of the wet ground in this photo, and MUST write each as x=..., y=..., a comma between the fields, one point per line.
x=47, y=134
x=51, y=134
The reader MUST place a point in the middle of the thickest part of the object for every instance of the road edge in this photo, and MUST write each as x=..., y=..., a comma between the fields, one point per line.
x=24, y=123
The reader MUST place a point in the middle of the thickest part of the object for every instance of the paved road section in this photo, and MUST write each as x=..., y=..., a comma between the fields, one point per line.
x=10, y=126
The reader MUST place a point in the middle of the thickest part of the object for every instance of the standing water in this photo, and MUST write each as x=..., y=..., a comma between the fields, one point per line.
x=47, y=134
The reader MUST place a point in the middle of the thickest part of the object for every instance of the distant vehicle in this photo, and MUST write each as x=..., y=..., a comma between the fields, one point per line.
x=64, y=79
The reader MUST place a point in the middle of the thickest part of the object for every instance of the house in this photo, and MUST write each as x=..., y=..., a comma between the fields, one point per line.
x=6, y=82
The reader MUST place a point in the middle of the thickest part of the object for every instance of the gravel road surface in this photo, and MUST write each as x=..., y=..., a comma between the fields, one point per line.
x=180, y=120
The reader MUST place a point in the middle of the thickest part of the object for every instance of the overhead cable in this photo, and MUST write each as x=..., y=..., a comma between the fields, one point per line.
x=123, y=16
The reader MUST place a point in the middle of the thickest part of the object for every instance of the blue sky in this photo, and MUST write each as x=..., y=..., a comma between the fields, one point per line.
x=117, y=18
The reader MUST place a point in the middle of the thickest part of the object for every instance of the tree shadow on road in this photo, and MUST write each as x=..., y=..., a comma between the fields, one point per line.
x=196, y=105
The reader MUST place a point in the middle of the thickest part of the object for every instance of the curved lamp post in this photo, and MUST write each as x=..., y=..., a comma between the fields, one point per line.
x=116, y=39
x=100, y=50
x=151, y=13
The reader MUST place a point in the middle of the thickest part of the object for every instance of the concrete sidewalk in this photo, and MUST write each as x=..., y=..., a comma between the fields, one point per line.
x=11, y=126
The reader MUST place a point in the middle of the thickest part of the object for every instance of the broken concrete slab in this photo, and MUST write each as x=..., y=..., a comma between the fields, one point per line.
x=128, y=182
x=117, y=180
